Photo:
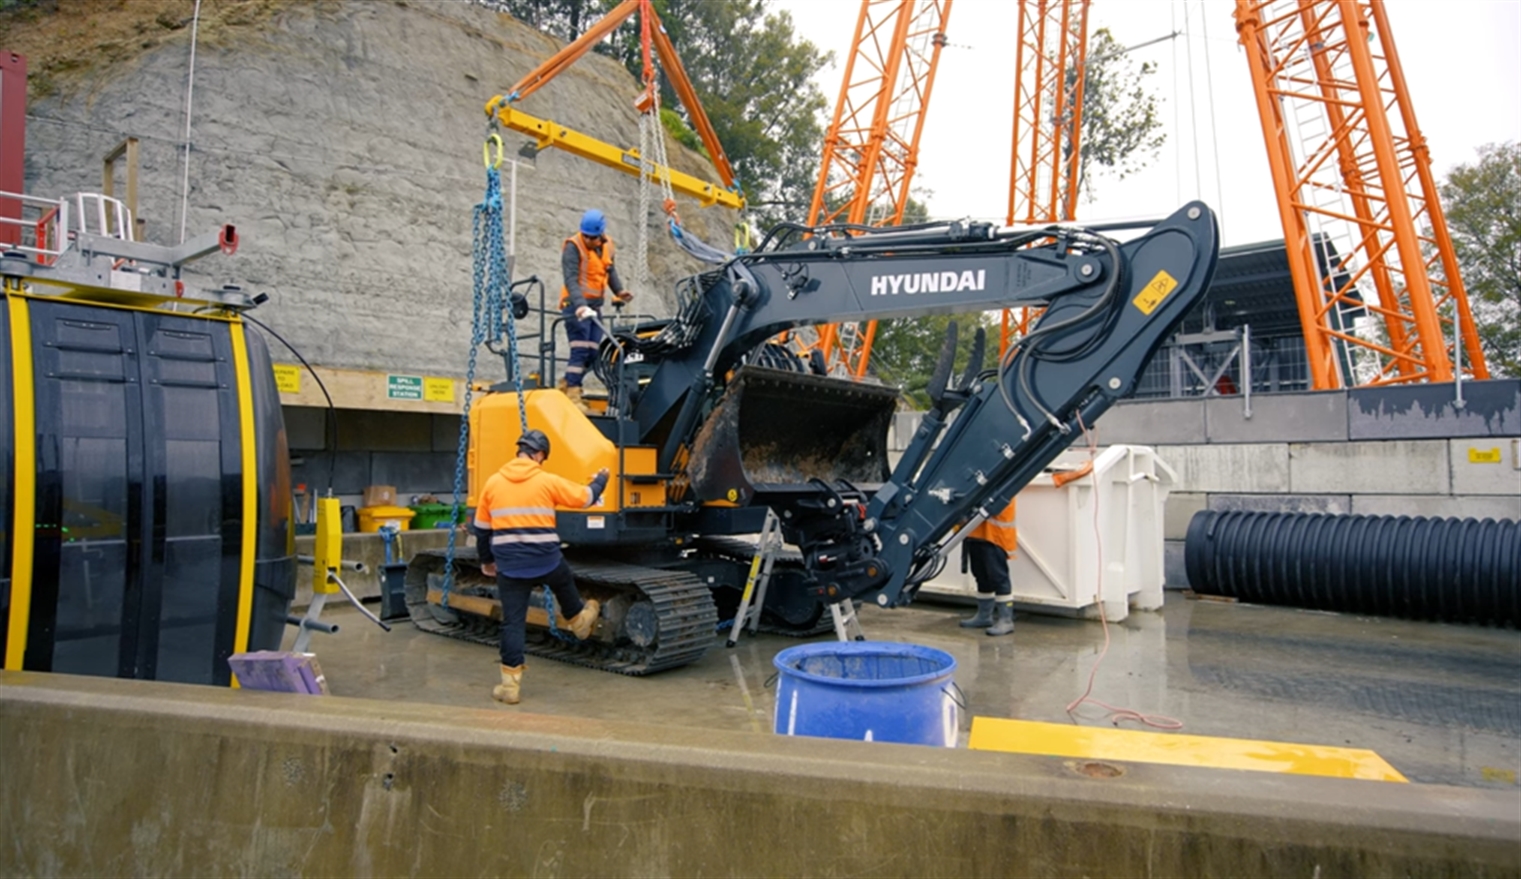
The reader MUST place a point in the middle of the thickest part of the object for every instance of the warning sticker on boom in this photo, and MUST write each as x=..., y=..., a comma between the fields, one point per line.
x=1153, y=293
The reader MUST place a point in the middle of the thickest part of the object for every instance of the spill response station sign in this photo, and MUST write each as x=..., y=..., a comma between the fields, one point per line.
x=404, y=387
x=417, y=387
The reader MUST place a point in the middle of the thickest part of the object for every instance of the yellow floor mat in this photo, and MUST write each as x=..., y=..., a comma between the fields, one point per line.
x=1096, y=743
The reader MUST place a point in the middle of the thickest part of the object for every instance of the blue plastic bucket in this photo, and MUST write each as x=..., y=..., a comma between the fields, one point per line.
x=874, y=691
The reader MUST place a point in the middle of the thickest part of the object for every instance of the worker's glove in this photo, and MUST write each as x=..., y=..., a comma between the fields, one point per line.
x=585, y=312
x=598, y=483
x=625, y=297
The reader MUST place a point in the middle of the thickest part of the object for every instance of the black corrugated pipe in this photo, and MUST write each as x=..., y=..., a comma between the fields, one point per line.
x=1447, y=570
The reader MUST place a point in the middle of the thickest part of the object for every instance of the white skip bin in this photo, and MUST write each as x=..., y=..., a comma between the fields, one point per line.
x=1076, y=525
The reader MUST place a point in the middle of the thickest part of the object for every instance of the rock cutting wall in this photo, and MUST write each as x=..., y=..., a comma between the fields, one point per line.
x=343, y=140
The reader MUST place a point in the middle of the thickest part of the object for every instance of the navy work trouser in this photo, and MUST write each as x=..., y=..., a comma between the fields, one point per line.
x=585, y=336
x=990, y=567
x=513, y=592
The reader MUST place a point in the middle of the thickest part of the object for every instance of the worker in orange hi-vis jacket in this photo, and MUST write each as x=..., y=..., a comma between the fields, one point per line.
x=517, y=544
x=987, y=551
x=587, y=261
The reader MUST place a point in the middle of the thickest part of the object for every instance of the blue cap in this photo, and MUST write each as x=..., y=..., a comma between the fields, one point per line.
x=593, y=223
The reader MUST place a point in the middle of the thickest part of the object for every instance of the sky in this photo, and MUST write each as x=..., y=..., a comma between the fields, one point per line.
x=1461, y=58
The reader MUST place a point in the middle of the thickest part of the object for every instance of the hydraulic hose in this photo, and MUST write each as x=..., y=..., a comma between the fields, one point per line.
x=1444, y=570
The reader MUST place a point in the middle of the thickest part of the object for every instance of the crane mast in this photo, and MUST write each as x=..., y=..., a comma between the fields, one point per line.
x=1050, y=71
x=872, y=147
x=1362, y=221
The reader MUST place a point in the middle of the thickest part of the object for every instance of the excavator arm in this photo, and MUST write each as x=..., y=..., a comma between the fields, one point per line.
x=1108, y=307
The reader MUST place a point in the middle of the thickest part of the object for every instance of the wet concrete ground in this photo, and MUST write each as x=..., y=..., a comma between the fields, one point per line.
x=1441, y=703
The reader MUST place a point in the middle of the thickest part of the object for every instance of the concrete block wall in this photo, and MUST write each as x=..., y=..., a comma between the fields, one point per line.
x=1396, y=451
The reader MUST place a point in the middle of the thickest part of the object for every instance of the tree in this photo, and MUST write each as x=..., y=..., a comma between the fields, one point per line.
x=754, y=76
x=1121, y=132
x=1483, y=208
x=1122, y=126
x=562, y=19
x=905, y=351
x=751, y=71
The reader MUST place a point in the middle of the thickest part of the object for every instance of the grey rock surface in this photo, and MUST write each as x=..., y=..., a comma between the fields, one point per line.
x=344, y=143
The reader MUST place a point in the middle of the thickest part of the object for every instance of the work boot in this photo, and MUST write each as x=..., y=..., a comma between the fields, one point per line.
x=984, y=617
x=574, y=393
x=582, y=623
x=511, y=685
x=1005, y=622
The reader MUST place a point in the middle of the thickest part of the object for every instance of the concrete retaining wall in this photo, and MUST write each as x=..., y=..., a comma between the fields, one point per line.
x=107, y=777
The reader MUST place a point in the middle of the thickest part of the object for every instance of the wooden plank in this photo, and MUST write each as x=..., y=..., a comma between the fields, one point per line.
x=489, y=607
x=365, y=389
x=486, y=607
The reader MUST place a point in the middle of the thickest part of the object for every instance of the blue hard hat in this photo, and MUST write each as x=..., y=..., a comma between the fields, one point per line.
x=593, y=223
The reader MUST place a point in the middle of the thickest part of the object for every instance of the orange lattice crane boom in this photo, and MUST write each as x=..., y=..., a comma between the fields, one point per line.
x=1050, y=75
x=1359, y=205
x=871, y=149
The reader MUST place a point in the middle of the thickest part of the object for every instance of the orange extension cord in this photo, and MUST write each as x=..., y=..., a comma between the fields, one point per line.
x=1116, y=715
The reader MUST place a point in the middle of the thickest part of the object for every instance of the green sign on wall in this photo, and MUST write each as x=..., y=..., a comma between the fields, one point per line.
x=404, y=387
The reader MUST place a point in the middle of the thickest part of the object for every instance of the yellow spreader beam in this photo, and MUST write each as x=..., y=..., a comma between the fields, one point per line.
x=551, y=134
x=1135, y=746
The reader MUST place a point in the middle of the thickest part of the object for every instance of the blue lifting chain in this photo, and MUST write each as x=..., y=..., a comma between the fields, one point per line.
x=491, y=309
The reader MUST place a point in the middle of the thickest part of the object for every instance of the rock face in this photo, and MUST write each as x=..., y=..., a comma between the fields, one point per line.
x=343, y=140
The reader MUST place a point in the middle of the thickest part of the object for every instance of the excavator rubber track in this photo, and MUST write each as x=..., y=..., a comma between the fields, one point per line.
x=678, y=604
x=737, y=549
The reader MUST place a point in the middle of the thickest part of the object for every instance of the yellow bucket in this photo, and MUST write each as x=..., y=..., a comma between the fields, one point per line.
x=372, y=518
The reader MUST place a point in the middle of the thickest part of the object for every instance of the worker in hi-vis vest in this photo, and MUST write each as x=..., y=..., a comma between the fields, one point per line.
x=587, y=259
x=987, y=551
x=517, y=544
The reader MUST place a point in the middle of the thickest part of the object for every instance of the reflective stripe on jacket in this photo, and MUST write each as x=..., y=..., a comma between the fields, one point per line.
x=517, y=513
x=592, y=274
x=999, y=530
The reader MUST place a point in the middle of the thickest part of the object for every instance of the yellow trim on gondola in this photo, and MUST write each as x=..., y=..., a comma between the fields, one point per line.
x=24, y=522
x=99, y=297
x=250, y=486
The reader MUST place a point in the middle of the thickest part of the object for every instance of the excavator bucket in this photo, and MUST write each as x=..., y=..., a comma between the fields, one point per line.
x=775, y=430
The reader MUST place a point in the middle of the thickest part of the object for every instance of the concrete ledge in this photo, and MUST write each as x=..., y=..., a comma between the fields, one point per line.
x=1179, y=511
x=1281, y=503
x=1152, y=423
x=1408, y=466
x=1174, y=564
x=1486, y=466
x=1302, y=417
x=1490, y=409
x=1255, y=468
x=108, y=777
x=1458, y=507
